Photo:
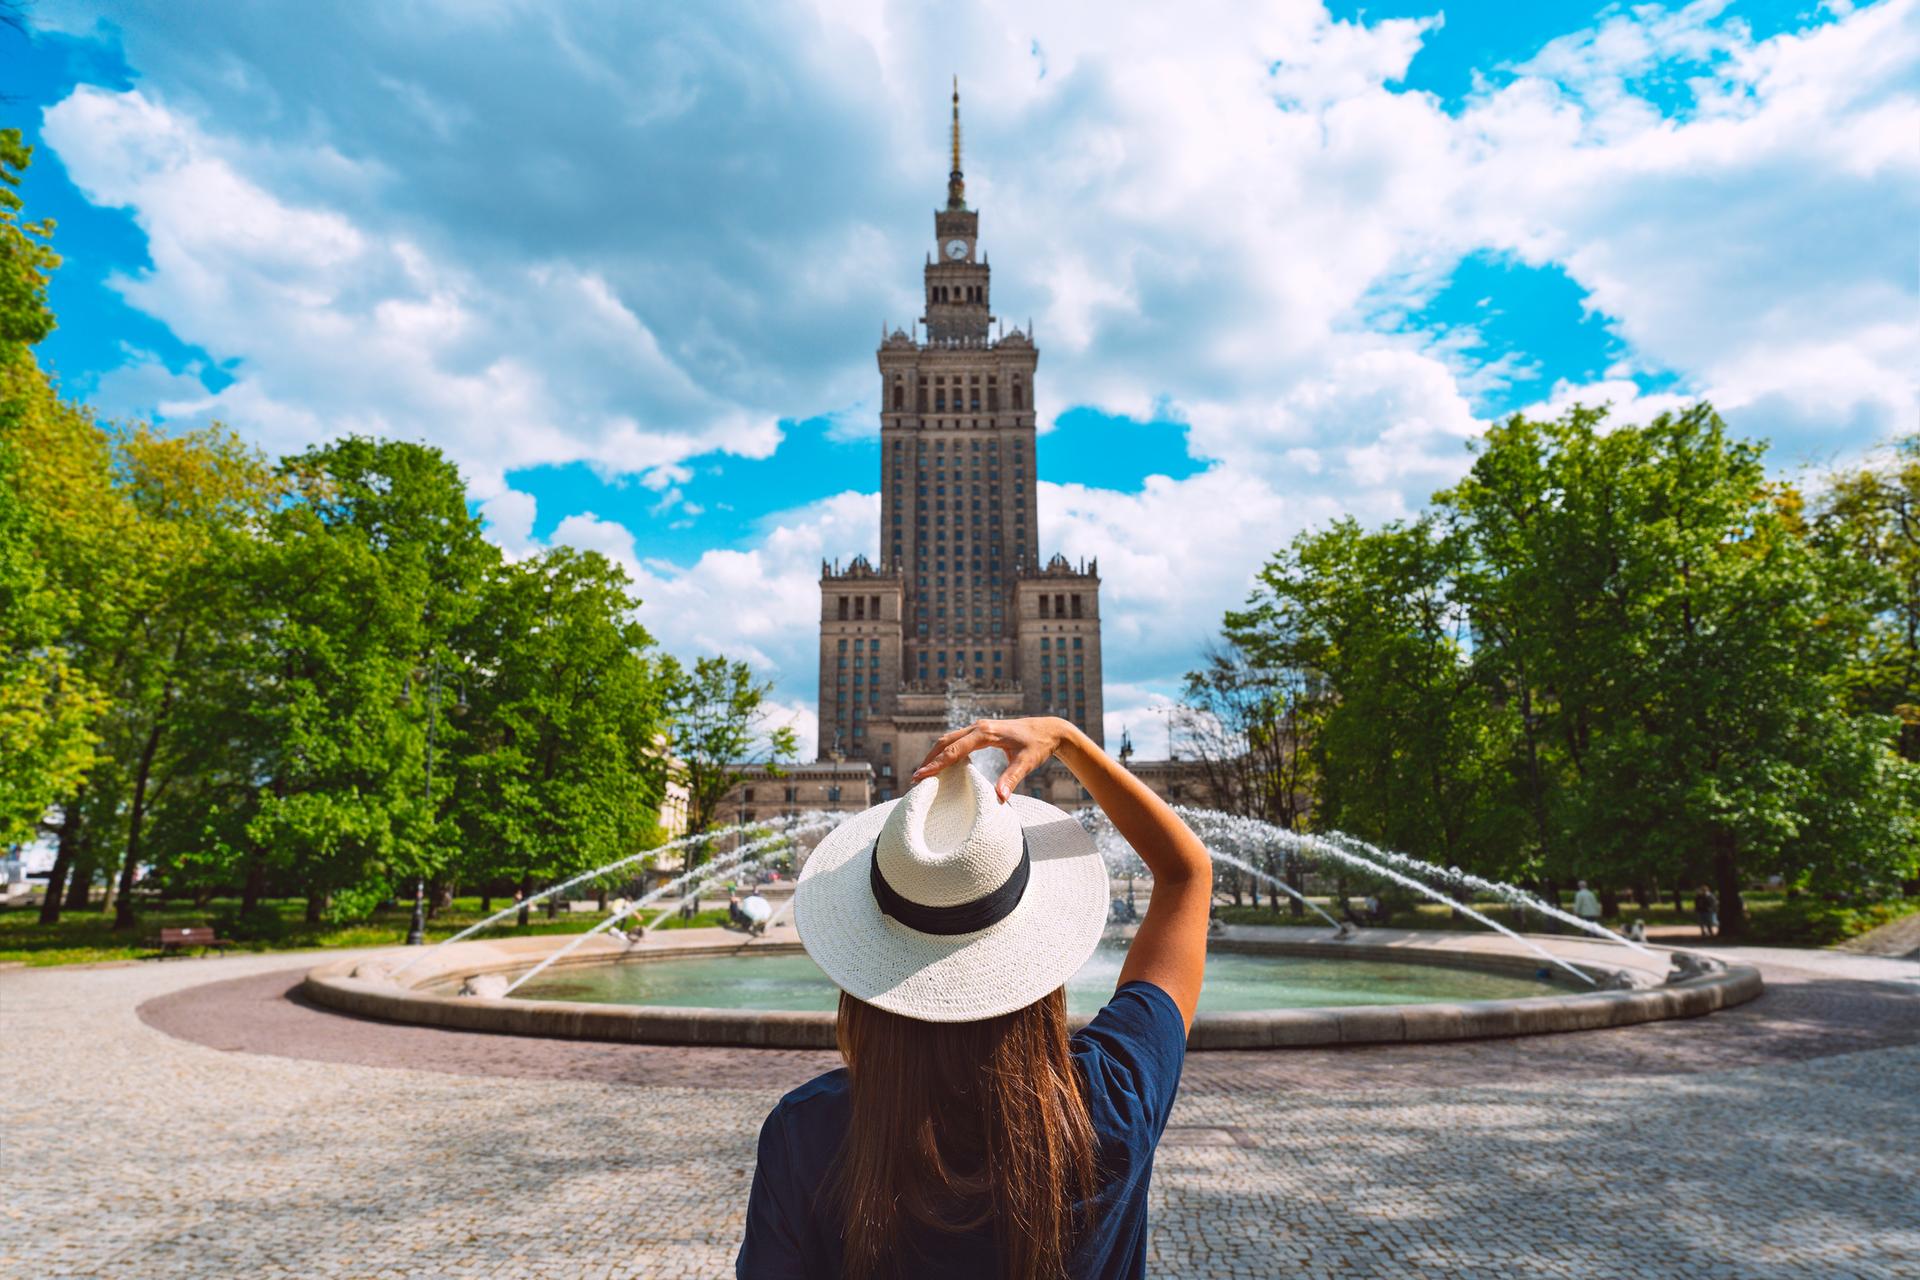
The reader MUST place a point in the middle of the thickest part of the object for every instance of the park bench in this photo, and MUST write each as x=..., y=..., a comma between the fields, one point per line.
x=171, y=941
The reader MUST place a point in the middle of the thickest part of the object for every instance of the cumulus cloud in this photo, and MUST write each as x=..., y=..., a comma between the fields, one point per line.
x=630, y=235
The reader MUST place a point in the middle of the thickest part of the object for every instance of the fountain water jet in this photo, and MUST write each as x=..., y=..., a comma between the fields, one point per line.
x=1213, y=819
x=798, y=824
x=718, y=867
x=1512, y=894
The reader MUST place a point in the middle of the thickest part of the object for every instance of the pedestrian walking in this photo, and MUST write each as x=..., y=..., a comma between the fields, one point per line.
x=1586, y=904
x=1706, y=912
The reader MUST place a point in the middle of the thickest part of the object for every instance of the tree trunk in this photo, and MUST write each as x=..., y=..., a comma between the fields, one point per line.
x=526, y=889
x=130, y=862
x=256, y=885
x=1726, y=874
x=600, y=898
x=63, y=861
x=316, y=906
x=1297, y=881
x=1550, y=892
x=80, y=882
x=1610, y=903
x=486, y=899
x=553, y=907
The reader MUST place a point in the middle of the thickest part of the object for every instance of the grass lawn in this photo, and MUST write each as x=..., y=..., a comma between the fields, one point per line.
x=279, y=925
x=1804, y=922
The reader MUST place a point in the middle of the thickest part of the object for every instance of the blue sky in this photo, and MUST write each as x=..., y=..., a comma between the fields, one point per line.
x=628, y=265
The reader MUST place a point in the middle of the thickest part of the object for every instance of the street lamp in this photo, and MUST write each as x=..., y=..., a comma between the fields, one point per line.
x=417, y=930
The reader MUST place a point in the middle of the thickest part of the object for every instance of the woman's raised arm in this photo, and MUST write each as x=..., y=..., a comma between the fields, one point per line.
x=1170, y=948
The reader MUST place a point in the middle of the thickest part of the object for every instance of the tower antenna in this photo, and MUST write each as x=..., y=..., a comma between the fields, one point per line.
x=956, y=185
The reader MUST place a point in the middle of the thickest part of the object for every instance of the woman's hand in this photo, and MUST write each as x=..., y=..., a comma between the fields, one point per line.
x=1027, y=742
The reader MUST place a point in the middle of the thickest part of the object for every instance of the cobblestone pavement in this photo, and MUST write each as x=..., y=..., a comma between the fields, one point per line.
x=212, y=1148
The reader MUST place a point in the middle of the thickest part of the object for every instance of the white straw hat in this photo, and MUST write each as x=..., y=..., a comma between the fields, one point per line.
x=948, y=906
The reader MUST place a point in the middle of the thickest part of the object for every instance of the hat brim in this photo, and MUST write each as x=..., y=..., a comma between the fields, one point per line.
x=965, y=977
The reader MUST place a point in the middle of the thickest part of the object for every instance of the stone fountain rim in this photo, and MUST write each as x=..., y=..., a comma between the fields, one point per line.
x=361, y=986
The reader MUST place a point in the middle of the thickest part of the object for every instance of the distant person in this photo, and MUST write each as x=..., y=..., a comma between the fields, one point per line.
x=969, y=1133
x=1376, y=914
x=1586, y=904
x=1637, y=931
x=735, y=916
x=1706, y=911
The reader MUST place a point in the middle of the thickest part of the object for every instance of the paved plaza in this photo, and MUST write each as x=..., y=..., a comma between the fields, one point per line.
x=189, y=1119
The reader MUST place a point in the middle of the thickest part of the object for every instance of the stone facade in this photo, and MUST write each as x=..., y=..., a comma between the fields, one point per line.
x=835, y=786
x=960, y=608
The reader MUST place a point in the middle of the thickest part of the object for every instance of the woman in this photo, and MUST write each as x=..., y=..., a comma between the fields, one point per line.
x=969, y=1134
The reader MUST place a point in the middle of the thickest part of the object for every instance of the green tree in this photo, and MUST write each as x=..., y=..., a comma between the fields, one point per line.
x=1868, y=521
x=562, y=766
x=189, y=495
x=1651, y=599
x=1402, y=747
x=1615, y=651
x=1248, y=717
x=57, y=522
x=720, y=721
x=352, y=595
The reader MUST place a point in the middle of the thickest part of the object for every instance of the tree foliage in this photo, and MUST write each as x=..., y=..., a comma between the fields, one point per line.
x=1619, y=652
x=314, y=676
x=720, y=720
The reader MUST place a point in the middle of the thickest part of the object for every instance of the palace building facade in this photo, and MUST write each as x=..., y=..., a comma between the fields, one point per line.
x=960, y=611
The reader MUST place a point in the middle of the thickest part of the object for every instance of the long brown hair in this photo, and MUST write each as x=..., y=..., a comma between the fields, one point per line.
x=960, y=1124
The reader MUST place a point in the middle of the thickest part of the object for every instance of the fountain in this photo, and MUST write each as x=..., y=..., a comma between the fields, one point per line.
x=1268, y=985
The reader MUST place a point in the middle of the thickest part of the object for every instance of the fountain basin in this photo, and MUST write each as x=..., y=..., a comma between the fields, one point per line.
x=425, y=994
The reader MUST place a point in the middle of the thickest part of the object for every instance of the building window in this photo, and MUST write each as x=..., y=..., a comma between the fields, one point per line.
x=843, y=608
x=747, y=796
x=833, y=794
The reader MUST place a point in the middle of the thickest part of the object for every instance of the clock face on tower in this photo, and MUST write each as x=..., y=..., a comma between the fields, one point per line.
x=956, y=249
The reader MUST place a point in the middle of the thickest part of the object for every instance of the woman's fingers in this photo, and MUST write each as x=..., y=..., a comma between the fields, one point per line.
x=949, y=736
x=1018, y=768
x=960, y=747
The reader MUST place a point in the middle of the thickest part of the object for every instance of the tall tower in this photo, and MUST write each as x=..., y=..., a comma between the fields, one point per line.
x=960, y=608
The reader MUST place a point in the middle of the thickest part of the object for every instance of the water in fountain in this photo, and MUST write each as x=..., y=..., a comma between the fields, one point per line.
x=1277, y=883
x=962, y=710
x=718, y=867
x=1245, y=831
x=790, y=826
x=1511, y=894
x=1215, y=827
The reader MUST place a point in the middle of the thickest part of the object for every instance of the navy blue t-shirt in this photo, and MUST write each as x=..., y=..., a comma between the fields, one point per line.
x=1130, y=1056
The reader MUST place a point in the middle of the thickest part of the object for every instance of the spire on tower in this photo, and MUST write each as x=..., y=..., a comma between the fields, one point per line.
x=956, y=185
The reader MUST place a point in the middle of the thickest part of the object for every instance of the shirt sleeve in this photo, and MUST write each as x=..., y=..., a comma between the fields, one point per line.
x=771, y=1249
x=1139, y=1043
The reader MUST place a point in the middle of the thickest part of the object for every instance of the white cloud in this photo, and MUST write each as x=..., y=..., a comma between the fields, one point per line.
x=341, y=329
x=627, y=235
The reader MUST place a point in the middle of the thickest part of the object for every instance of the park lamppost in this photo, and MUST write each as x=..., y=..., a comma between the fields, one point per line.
x=417, y=931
